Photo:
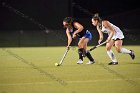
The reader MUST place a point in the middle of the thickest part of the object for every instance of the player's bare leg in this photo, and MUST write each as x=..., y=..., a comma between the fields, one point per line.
x=110, y=53
x=80, y=51
x=87, y=53
x=118, y=45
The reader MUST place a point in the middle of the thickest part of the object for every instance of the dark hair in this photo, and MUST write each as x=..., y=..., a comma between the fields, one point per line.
x=96, y=17
x=68, y=19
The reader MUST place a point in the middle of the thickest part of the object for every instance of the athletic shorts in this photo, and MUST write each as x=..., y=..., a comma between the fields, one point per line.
x=88, y=35
x=118, y=36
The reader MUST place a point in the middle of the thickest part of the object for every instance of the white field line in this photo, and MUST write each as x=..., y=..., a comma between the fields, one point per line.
x=78, y=81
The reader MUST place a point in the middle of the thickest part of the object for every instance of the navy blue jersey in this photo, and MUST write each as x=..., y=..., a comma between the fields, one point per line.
x=80, y=34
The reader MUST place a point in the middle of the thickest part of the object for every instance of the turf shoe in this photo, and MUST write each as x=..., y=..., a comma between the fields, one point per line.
x=80, y=61
x=132, y=54
x=90, y=62
x=113, y=63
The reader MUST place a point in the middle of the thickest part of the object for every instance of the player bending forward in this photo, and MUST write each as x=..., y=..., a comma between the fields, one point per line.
x=73, y=29
x=115, y=36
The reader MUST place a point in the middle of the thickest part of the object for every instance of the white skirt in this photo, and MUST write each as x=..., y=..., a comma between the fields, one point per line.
x=118, y=35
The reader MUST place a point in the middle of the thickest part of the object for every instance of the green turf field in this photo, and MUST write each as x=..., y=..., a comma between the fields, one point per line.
x=32, y=70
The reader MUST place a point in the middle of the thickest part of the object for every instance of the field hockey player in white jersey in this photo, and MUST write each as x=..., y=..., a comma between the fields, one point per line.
x=115, y=37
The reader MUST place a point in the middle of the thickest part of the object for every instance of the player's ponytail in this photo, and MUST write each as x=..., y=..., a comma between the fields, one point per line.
x=97, y=17
x=68, y=20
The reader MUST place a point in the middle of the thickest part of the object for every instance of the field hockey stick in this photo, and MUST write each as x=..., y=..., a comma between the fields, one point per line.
x=97, y=46
x=65, y=54
x=62, y=60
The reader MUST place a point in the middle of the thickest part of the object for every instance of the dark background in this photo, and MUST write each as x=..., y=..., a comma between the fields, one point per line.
x=39, y=22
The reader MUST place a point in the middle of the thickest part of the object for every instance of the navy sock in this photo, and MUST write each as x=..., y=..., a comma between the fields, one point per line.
x=80, y=52
x=89, y=56
x=83, y=52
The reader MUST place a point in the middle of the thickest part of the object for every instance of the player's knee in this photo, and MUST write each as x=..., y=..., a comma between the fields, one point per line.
x=80, y=45
x=118, y=50
x=108, y=48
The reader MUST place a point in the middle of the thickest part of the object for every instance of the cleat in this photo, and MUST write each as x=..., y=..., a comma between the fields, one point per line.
x=80, y=61
x=132, y=54
x=90, y=62
x=113, y=63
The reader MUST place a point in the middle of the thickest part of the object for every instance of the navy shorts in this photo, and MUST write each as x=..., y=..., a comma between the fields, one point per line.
x=88, y=35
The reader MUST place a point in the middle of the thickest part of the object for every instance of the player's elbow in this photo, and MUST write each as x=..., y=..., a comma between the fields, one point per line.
x=81, y=28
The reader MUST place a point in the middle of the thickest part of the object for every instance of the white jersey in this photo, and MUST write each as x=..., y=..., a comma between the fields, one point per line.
x=118, y=33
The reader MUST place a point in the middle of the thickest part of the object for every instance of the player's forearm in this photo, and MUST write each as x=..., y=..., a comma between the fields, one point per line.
x=69, y=41
x=110, y=35
x=78, y=30
x=101, y=36
x=100, y=33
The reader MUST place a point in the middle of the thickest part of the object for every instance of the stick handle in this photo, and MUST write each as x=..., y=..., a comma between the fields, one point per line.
x=97, y=46
x=68, y=48
x=101, y=44
x=63, y=57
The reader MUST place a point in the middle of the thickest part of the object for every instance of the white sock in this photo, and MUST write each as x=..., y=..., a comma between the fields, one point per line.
x=112, y=56
x=125, y=51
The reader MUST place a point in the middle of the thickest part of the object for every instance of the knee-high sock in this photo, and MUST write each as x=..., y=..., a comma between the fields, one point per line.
x=80, y=52
x=125, y=51
x=112, y=56
x=89, y=56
